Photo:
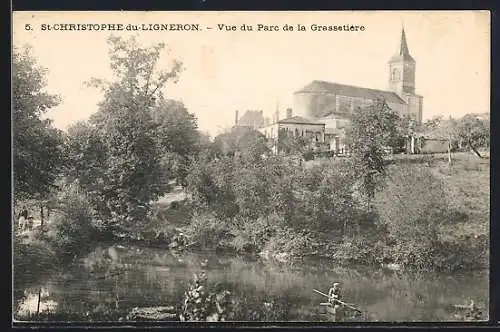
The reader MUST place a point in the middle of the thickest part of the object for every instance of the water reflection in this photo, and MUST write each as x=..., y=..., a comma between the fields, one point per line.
x=111, y=281
x=36, y=302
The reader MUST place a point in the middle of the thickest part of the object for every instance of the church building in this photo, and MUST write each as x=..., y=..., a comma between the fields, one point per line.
x=331, y=103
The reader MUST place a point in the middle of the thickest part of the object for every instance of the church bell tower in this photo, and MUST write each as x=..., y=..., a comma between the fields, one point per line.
x=402, y=69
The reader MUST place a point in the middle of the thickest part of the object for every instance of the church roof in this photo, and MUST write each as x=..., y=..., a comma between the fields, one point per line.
x=300, y=120
x=350, y=91
x=403, y=54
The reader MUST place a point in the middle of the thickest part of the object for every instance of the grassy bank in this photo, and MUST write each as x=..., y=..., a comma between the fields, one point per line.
x=466, y=186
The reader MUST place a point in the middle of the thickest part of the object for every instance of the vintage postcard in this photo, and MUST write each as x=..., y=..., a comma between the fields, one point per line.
x=251, y=166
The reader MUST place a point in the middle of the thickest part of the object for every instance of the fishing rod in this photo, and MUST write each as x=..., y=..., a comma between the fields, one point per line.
x=343, y=303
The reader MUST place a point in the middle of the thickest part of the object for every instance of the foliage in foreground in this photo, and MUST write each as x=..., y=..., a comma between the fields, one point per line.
x=208, y=301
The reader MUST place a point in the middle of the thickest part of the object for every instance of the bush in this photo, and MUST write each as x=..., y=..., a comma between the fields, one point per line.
x=290, y=243
x=75, y=223
x=206, y=300
x=207, y=231
x=251, y=236
x=463, y=253
x=412, y=207
x=257, y=200
x=209, y=184
x=358, y=250
x=326, y=197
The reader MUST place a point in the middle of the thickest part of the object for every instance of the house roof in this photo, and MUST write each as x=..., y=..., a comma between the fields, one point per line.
x=350, y=91
x=300, y=120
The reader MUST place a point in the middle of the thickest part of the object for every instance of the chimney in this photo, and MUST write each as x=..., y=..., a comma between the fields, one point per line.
x=236, y=118
x=276, y=116
x=288, y=113
x=267, y=120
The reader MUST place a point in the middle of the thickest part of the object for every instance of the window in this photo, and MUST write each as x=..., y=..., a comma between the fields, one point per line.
x=395, y=74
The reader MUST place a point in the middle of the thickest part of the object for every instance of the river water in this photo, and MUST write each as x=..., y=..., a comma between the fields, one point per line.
x=106, y=284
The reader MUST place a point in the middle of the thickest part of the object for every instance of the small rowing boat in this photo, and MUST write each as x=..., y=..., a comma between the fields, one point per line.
x=341, y=311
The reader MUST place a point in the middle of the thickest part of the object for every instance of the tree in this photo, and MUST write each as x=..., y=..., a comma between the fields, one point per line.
x=243, y=140
x=178, y=136
x=128, y=131
x=372, y=129
x=204, y=141
x=412, y=207
x=433, y=123
x=327, y=198
x=86, y=160
x=85, y=153
x=405, y=126
x=448, y=129
x=37, y=145
x=474, y=132
x=294, y=145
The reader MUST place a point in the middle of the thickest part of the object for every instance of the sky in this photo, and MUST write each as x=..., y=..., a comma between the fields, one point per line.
x=226, y=71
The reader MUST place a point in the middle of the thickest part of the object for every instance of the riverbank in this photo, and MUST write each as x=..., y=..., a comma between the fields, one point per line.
x=458, y=206
x=312, y=212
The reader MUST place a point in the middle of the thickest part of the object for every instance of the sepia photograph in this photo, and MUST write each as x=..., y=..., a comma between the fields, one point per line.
x=328, y=166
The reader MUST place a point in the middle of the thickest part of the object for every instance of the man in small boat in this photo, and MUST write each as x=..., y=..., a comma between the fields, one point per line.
x=334, y=296
x=334, y=293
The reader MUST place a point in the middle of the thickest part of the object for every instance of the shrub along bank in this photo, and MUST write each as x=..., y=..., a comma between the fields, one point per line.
x=287, y=210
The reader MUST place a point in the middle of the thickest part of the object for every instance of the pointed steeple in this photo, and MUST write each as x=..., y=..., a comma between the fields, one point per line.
x=403, y=54
x=402, y=68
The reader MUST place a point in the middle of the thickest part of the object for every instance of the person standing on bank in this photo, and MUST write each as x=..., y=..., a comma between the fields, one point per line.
x=23, y=219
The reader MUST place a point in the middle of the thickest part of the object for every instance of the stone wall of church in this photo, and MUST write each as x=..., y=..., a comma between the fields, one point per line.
x=313, y=105
x=318, y=105
x=398, y=108
x=349, y=104
x=415, y=106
